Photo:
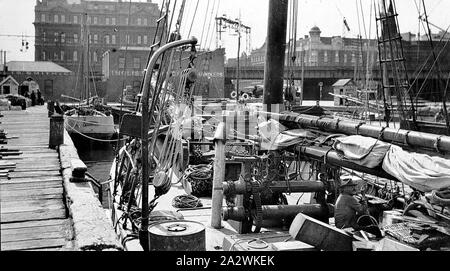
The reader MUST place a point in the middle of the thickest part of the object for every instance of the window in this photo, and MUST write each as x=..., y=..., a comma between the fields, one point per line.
x=137, y=63
x=55, y=18
x=127, y=39
x=345, y=58
x=63, y=37
x=95, y=38
x=107, y=39
x=325, y=57
x=90, y=38
x=113, y=21
x=63, y=18
x=121, y=63
x=126, y=21
x=56, y=36
x=75, y=38
x=139, y=40
x=89, y=19
x=353, y=58
x=139, y=21
x=314, y=57
x=95, y=20
x=75, y=55
x=107, y=21
x=137, y=86
x=95, y=58
x=336, y=57
x=75, y=19
x=42, y=18
x=113, y=39
x=145, y=21
x=44, y=55
x=145, y=39
x=55, y=56
x=48, y=86
x=44, y=37
x=62, y=55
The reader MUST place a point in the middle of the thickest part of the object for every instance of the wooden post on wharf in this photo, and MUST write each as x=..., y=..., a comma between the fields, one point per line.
x=56, y=131
x=219, y=177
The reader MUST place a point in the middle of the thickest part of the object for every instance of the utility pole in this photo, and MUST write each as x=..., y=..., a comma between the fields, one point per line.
x=275, y=55
x=224, y=23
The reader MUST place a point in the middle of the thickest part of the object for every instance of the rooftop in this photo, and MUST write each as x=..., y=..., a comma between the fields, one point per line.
x=34, y=66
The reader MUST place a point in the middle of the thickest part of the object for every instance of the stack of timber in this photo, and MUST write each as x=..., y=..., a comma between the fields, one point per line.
x=33, y=212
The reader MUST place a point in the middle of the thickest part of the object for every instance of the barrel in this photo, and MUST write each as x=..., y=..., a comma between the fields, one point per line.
x=179, y=235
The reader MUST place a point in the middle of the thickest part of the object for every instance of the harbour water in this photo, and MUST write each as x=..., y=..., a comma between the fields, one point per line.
x=98, y=157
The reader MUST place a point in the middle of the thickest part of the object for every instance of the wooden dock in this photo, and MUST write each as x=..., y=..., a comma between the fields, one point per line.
x=33, y=211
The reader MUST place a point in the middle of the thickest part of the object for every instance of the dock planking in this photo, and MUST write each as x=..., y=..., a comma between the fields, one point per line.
x=32, y=209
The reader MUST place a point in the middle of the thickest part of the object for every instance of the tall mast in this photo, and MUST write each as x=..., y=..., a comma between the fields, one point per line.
x=85, y=33
x=275, y=55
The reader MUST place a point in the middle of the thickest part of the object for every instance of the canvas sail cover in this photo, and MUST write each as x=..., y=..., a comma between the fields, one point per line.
x=364, y=151
x=420, y=171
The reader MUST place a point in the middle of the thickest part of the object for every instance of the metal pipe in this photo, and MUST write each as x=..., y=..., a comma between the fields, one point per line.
x=439, y=143
x=143, y=232
x=281, y=211
x=240, y=187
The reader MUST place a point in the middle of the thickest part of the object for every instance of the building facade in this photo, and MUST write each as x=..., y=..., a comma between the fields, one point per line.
x=111, y=25
x=51, y=79
x=119, y=75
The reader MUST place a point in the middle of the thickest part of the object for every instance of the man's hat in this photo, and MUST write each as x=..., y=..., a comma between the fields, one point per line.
x=348, y=182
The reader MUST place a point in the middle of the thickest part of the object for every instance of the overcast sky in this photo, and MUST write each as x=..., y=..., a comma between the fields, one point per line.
x=17, y=18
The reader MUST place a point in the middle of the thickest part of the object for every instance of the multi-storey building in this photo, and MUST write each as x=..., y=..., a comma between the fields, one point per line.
x=314, y=50
x=111, y=25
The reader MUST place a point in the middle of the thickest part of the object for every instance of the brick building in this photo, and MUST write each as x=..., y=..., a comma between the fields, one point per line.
x=52, y=79
x=111, y=25
x=127, y=73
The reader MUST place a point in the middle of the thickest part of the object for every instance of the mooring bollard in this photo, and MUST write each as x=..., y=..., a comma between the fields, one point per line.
x=56, y=131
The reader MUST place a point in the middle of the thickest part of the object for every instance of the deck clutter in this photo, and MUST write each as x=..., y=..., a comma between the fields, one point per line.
x=269, y=179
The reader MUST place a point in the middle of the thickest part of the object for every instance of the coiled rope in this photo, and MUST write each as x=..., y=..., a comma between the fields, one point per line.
x=186, y=201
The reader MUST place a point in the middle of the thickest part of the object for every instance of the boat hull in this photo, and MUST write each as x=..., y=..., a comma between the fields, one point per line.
x=98, y=127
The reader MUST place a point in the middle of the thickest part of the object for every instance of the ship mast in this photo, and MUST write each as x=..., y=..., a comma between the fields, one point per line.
x=275, y=55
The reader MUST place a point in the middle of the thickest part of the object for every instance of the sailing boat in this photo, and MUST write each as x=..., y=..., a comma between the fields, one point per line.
x=87, y=119
x=149, y=168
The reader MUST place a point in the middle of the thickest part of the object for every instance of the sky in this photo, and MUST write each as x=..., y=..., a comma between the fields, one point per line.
x=18, y=16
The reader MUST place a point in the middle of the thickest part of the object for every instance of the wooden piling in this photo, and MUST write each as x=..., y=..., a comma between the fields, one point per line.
x=56, y=131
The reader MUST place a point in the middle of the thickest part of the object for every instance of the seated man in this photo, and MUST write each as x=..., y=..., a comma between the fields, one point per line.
x=348, y=208
x=353, y=213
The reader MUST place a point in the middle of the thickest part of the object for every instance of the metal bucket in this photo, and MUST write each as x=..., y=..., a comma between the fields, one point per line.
x=179, y=235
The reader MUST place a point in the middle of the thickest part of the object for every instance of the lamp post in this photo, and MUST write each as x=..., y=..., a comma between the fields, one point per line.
x=320, y=93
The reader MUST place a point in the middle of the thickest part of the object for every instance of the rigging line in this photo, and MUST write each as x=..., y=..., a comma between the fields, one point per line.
x=180, y=18
x=204, y=23
x=420, y=69
x=193, y=18
x=186, y=14
x=210, y=23
x=358, y=16
x=169, y=27
x=432, y=67
x=363, y=19
x=214, y=32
